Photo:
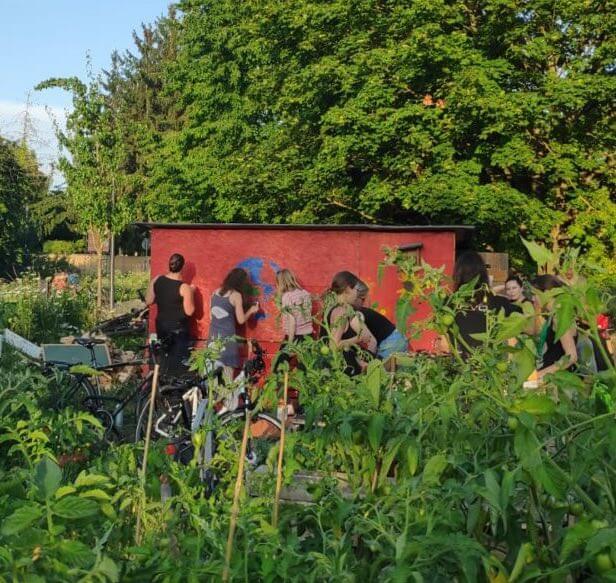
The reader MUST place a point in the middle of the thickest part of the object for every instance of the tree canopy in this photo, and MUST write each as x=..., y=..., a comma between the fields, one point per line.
x=498, y=114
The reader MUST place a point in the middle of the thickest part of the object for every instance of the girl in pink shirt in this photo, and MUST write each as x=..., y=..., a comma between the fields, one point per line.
x=295, y=309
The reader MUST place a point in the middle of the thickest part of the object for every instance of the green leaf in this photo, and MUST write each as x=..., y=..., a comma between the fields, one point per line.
x=412, y=456
x=75, y=507
x=512, y=326
x=375, y=431
x=534, y=404
x=108, y=568
x=84, y=479
x=75, y=553
x=85, y=370
x=564, y=314
x=524, y=360
x=47, y=477
x=95, y=493
x=391, y=451
x=575, y=537
x=374, y=379
x=435, y=466
x=606, y=537
x=64, y=490
x=539, y=253
x=20, y=519
x=404, y=309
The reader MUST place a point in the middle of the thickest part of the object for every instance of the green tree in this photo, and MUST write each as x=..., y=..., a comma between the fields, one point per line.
x=21, y=185
x=496, y=114
x=95, y=184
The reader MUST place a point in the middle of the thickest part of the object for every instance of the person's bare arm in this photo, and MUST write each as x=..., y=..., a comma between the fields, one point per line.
x=240, y=315
x=291, y=326
x=363, y=334
x=188, y=298
x=570, y=357
x=150, y=298
x=339, y=319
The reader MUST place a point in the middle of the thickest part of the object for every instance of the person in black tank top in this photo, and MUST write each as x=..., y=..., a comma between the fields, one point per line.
x=342, y=323
x=175, y=303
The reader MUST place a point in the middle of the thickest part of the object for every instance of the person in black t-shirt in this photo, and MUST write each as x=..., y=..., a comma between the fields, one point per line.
x=389, y=340
x=473, y=320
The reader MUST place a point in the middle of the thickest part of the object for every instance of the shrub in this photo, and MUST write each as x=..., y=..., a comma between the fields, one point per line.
x=64, y=247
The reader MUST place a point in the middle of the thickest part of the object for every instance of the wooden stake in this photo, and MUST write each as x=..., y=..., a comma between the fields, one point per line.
x=281, y=450
x=146, y=447
x=236, y=500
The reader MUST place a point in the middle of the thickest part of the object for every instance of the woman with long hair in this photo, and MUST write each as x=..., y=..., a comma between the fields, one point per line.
x=229, y=309
x=471, y=269
x=295, y=311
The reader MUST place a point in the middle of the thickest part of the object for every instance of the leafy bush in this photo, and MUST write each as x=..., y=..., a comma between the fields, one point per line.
x=64, y=247
x=39, y=316
x=447, y=470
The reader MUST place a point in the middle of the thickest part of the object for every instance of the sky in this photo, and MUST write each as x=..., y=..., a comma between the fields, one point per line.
x=40, y=39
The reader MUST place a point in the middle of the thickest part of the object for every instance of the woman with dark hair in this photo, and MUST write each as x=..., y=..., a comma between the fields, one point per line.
x=470, y=268
x=229, y=309
x=553, y=355
x=175, y=302
x=341, y=323
x=514, y=290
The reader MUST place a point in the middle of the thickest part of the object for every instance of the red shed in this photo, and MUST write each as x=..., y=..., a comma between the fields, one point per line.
x=313, y=252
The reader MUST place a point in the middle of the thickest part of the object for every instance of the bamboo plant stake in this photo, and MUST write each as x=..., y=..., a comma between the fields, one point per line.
x=236, y=500
x=146, y=446
x=281, y=450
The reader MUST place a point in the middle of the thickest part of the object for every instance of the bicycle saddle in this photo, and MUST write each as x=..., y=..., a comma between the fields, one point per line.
x=88, y=343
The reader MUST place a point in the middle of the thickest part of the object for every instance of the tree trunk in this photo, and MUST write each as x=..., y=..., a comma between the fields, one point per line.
x=99, y=277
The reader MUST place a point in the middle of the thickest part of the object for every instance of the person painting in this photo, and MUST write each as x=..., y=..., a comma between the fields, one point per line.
x=389, y=340
x=552, y=354
x=295, y=310
x=469, y=268
x=229, y=309
x=341, y=323
x=174, y=300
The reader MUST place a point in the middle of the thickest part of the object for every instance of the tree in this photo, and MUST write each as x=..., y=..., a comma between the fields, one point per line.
x=95, y=184
x=496, y=114
x=21, y=185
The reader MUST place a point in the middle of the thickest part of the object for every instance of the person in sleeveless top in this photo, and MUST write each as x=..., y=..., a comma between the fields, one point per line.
x=295, y=311
x=227, y=311
x=553, y=355
x=175, y=302
x=389, y=340
x=473, y=319
x=342, y=326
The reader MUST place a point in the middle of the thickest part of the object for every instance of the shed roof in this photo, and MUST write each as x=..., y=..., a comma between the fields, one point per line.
x=462, y=231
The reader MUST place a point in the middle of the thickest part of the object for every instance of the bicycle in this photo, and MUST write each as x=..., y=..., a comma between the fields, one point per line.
x=183, y=410
x=80, y=392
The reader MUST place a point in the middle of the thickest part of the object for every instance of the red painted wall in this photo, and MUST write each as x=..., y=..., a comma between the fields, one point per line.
x=314, y=255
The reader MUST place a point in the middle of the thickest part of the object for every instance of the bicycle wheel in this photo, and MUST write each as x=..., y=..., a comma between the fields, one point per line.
x=168, y=417
x=264, y=431
x=74, y=391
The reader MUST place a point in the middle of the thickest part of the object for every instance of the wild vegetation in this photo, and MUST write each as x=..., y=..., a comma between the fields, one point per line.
x=446, y=470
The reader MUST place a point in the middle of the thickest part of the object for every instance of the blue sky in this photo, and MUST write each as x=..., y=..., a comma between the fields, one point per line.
x=51, y=38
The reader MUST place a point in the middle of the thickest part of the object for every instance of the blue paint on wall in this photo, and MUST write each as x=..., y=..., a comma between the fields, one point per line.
x=256, y=266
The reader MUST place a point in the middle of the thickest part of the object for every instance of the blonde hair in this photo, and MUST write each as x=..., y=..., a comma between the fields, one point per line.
x=286, y=281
